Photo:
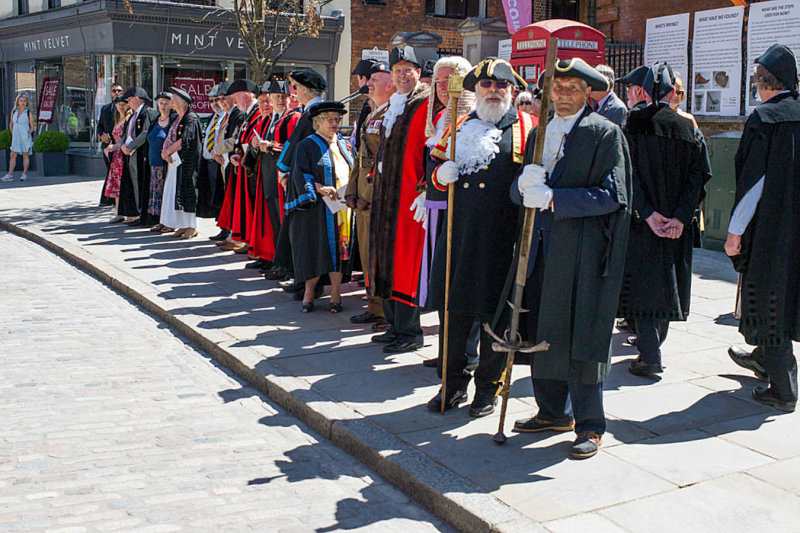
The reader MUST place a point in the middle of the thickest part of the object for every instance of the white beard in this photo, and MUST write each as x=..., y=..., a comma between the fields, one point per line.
x=492, y=111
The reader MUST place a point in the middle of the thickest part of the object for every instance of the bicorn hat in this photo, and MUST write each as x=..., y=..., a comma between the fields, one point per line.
x=659, y=81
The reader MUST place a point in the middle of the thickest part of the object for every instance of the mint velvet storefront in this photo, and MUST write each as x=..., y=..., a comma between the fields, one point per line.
x=81, y=50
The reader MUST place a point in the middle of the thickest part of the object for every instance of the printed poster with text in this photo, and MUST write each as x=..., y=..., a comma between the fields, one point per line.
x=667, y=39
x=717, y=62
x=769, y=23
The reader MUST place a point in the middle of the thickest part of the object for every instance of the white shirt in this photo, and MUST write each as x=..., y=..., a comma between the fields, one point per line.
x=746, y=209
x=556, y=137
x=132, y=123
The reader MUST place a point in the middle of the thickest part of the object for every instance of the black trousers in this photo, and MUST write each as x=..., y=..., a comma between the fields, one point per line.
x=650, y=335
x=404, y=320
x=561, y=401
x=781, y=367
x=489, y=374
x=274, y=212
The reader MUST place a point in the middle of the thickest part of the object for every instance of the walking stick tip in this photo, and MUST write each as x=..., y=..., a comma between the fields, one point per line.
x=499, y=438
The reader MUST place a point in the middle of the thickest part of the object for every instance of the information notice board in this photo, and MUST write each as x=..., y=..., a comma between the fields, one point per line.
x=667, y=39
x=769, y=23
x=717, y=62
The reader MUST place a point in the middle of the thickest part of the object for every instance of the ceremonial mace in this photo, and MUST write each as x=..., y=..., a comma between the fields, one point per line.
x=512, y=341
x=455, y=86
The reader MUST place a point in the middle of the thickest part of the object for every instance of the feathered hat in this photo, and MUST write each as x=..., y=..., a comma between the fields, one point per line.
x=465, y=103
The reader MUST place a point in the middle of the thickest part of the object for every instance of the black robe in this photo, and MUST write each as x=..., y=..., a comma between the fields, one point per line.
x=312, y=228
x=105, y=124
x=484, y=233
x=190, y=134
x=132, y=196
x=670, y=169
x=578, y=253
x=770, y=262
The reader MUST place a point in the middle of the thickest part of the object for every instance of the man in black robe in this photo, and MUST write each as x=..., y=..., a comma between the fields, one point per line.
x=135, y=184
x=582, y=192
x=223, y=144
x=670, y=169
x=764, y=233
x=489, y=152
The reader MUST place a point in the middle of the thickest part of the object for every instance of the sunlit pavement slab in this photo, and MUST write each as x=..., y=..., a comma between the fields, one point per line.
x=682, y=452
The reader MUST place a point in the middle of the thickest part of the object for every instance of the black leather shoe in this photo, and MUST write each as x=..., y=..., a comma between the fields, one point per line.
x=381, y=326
x=387, y=337
x=647, y=370
x=221, y=236
x=766, y=396
x=482, y=405
x=287, y=283
x=431, y=363
x=366, y=317
x=294, y=287
x=276, y=274
x=452, y=399
x=746, y=360
x=135, y=224
x=402, y=347
x=258, y=263
x=535, y=424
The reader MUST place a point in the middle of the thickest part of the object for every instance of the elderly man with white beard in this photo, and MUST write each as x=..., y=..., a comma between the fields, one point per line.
x=490, y=143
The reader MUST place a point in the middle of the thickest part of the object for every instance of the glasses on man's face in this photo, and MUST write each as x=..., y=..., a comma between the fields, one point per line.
x=500, y=84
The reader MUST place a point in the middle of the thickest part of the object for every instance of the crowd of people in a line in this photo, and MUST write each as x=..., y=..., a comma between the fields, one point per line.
x=616, y=193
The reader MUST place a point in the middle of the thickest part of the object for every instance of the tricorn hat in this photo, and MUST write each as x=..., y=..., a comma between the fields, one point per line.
x=135, y=91
x=578, y=68
x=403, y=53
x=780, y=61
x=242, y=85
x=635, y=77
x=493, y=68
x=330, y=105
x=659, y=81
x=363, y=67
x=309, y=78
x=183, y=95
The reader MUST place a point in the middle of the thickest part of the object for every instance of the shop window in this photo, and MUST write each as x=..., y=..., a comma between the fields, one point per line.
x=52, y=4
x=456, y=8
x=22, y=7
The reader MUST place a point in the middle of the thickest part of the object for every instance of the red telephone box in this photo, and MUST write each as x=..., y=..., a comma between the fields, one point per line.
x=529, y=45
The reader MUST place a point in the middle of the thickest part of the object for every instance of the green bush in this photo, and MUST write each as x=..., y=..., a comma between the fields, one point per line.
x=5, y=139
x=51, y=141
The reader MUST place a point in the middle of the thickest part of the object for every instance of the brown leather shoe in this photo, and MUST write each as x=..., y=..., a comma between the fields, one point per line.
x=241, y=249
x=222, y=242
x=229, y=246
x=586, y=445
x=190, y=233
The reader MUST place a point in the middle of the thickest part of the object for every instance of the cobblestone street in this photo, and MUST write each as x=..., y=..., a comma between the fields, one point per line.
x=110, y=422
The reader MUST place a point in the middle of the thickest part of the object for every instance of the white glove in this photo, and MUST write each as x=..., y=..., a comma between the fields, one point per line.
x=447, y=173
x=537, y=197
x=532, y=175
x=418, y=208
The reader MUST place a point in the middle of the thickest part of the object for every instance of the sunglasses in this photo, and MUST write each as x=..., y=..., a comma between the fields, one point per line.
x=500, y=84
x=525, y=102
x=116, y=90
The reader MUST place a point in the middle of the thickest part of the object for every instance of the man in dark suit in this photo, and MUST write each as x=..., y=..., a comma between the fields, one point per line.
x=608, y=104
x=105, y=124
x=134, y=148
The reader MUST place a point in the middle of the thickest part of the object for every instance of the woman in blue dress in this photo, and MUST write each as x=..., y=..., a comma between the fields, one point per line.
x=22, y=126
x=155, y=142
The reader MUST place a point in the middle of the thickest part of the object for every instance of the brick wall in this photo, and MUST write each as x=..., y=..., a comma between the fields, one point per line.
x=625, y=20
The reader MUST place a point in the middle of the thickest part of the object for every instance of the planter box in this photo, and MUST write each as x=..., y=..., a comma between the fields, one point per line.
x=52, y=163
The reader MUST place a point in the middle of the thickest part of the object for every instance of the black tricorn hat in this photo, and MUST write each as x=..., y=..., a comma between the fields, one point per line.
x=363, y=67
x=635, y=77
x=329, y=105
x=659, y=81
x=135, y=91
x=578, y=68
x=403, y=53
x=493, y=68
x=781, y=63
x=183, y=95
x=164, y=94
x=309, y=78
x=274, y=86
x=379, y=66
x=242, y=85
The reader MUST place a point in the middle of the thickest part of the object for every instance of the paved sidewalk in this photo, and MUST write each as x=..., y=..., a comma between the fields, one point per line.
x=108, y=422
x=691, y=450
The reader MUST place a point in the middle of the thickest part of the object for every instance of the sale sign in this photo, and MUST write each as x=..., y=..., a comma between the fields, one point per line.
x=198, y=89
x=47, y=99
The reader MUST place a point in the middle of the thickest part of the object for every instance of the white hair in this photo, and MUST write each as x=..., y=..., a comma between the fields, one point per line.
x=522, y=95
x=492, y=111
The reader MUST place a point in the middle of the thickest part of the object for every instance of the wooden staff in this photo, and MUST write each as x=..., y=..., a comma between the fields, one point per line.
x=454, y=86
x=512, y=342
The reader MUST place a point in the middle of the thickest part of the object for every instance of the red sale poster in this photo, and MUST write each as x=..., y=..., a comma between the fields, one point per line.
x=47, y=99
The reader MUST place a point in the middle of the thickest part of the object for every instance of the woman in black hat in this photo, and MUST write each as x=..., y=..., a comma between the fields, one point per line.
x=319, y=229
x=121, y=113
x=155, y=142
x=180, y=195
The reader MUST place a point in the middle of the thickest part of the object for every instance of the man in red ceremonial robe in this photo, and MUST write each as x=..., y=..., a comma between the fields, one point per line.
x=237, y=208
x=396, y=235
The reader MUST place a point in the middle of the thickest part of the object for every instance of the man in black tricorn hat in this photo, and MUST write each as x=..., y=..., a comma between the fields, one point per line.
x=764, y=232
x=582, y=192
x=134, y=193
x=490, y=143
x=670, y=168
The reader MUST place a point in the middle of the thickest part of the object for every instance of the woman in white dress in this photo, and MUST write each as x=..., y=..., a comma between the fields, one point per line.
x=22, y=126
x=181, y=151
